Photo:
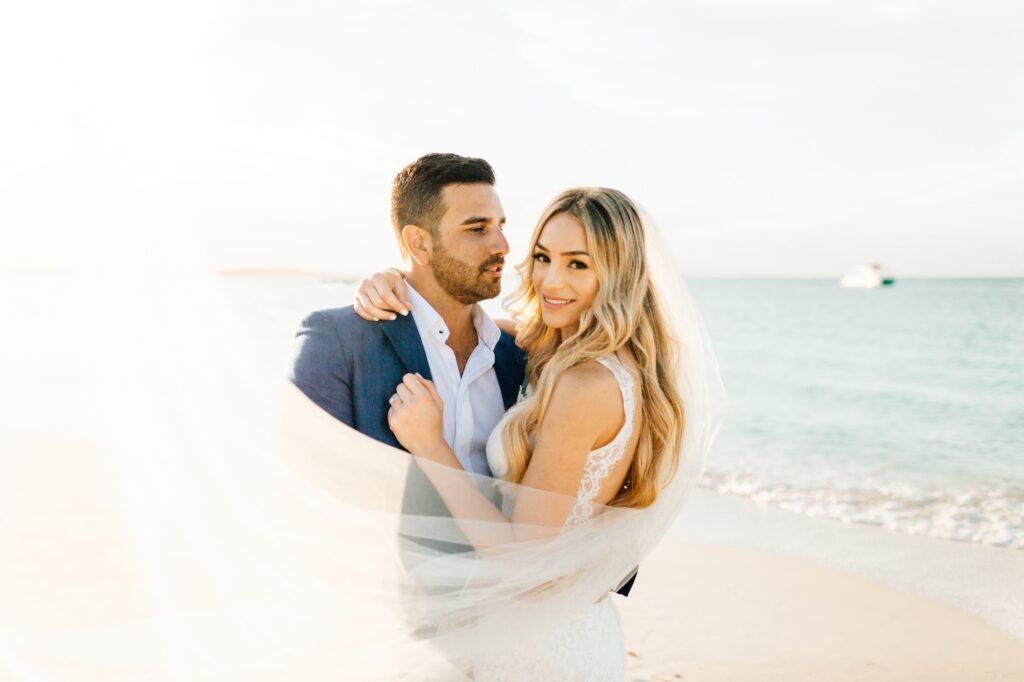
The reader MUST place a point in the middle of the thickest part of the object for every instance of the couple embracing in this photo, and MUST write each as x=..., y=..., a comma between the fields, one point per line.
x=577, y=401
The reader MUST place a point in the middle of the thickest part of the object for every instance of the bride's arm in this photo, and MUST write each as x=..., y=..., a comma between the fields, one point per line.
x=383, y=294
x=585, y=409
x=507, y=326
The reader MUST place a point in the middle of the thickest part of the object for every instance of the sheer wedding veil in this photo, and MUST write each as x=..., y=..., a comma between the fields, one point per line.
x=172, y=508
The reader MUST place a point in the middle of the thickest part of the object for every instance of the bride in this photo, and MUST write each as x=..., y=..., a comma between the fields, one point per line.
x=601, y=425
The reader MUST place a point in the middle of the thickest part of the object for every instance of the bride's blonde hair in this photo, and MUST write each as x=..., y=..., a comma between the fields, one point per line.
x=626, y=316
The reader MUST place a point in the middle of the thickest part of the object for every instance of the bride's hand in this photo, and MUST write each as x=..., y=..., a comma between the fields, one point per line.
x=417, y=416
x=381, y=295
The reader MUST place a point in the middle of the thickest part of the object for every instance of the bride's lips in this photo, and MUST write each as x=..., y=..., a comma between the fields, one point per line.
x=552, y=303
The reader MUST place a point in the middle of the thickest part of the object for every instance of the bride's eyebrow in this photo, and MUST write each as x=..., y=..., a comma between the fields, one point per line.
x=540, y=246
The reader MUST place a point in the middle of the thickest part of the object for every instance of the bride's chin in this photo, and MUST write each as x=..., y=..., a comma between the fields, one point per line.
x=552, y=323
x=556, y=323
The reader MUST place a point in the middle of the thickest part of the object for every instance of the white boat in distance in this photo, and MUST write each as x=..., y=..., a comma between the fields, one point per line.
x=866, y=276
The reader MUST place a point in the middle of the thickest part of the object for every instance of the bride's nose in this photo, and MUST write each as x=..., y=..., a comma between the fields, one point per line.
x=553, y=279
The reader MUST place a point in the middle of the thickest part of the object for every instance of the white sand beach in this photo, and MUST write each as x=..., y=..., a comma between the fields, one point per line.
x=706, y=612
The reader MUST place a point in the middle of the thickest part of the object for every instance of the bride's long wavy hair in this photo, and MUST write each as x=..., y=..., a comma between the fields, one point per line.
x=626, y=317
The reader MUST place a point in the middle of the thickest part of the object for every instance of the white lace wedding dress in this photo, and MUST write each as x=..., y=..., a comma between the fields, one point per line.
x=590, y=648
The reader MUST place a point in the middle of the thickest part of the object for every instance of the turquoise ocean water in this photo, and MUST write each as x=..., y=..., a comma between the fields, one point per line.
x=900, y=407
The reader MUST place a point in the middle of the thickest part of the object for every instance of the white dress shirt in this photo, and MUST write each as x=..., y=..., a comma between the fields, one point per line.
x=473, y=405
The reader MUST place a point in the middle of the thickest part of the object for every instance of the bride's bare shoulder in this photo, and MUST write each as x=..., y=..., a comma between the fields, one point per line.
x=589, y=391
x=585, y=407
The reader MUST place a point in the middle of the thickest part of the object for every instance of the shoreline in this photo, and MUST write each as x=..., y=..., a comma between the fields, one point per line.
x=983, y=580
x=706, y=614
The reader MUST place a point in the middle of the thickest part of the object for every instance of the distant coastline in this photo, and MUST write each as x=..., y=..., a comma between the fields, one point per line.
x=350, y=277
x=244, y=272
x=346, y=278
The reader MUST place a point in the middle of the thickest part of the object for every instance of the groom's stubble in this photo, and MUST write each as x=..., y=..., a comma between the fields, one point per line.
x=466, y=283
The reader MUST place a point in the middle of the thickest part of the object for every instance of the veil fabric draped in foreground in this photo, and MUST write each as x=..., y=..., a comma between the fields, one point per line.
x=172, y=508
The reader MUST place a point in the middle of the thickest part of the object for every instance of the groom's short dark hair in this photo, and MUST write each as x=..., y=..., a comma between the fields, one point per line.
x=416, y=191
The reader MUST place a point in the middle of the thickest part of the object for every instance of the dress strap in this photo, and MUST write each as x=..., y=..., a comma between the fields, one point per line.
x=600, y=461
x=625, y=381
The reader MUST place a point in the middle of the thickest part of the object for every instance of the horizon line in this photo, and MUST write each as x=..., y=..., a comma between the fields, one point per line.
x=342, y=274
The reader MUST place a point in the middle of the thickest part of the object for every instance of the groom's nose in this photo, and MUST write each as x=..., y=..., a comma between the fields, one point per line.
x=500, y=244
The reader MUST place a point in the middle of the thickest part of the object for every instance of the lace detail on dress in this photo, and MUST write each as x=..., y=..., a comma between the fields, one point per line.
x=601, y=460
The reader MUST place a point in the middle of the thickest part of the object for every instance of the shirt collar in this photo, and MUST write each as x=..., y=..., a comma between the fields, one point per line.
x=431, y=325
x=486, y=330
x=428, y=321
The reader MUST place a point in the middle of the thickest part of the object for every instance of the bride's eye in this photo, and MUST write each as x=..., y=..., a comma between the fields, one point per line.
x=577, y=265
x=540, y=257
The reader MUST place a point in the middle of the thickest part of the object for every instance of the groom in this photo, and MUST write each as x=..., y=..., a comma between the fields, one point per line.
x=449, y=223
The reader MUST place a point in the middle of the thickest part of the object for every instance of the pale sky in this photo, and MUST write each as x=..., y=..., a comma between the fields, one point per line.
x=766, y=138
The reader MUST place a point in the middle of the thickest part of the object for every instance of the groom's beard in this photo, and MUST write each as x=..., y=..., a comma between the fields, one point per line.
x=463, y=282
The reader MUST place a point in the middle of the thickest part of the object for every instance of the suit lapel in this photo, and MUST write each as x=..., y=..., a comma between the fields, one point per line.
x=510, y=367
x=509, y=360
x=405, y=339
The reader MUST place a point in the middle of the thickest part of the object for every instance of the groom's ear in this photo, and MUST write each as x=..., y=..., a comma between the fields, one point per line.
x=418, y=243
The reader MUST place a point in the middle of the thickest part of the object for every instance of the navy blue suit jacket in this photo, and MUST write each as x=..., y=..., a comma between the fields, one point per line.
x=350, y=367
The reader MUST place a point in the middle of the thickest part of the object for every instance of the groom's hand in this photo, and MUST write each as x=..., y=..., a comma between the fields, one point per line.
x=381, y=295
